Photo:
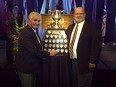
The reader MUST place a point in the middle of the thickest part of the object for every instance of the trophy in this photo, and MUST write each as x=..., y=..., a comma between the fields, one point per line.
x=56, y=37
x=56, y=15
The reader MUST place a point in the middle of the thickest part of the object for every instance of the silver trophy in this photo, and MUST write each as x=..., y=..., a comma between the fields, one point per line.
x=56, y=37
x=56, y=15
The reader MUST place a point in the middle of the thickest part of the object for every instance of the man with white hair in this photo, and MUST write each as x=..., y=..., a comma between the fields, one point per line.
x=30, y=54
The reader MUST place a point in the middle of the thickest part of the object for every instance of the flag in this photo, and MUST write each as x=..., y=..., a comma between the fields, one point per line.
x=52, y=4
x=25, y=10
x=47, y=6
x=115, y=22
x=94, y=10
x=15, y=11
x=59, y=6
x=104, y=19
x=7, y=18
x=83, y=3
x=15, y=8
x=36, y=5
x=72, y=7
x=43, y=8
x=114, y=36
x=67, y=6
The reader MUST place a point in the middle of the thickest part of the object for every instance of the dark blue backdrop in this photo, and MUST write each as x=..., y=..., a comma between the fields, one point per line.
x=111, y=13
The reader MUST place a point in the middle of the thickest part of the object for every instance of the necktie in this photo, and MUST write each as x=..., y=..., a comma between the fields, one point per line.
x=38, y=38
x=72, y=43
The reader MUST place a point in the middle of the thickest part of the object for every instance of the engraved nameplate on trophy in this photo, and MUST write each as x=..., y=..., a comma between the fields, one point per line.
x=56, y=39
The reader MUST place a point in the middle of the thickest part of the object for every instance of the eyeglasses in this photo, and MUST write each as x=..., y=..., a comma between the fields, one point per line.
x=79, y=13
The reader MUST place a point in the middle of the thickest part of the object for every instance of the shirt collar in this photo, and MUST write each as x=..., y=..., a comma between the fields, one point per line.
x=81, y=23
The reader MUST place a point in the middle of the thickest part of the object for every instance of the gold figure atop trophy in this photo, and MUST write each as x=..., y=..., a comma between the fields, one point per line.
x=56, y=16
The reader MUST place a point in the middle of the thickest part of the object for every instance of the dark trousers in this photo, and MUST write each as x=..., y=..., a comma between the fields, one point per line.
x=27, y=80
x=80, y=80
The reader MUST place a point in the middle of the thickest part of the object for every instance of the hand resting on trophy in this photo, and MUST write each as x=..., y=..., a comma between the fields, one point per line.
x=53, y=52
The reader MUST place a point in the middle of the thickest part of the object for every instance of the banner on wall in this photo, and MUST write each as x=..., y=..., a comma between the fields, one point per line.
x=7, y=18
x=94, y=10
x=104, y=19
x=25, y=10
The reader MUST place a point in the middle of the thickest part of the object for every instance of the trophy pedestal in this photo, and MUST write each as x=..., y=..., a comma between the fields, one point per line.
x=56, y=39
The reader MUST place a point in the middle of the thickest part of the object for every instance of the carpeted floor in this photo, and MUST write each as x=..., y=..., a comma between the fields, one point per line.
x=104, y=76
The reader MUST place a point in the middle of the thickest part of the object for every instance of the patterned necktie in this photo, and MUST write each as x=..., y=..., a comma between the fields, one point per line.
x=72, y=43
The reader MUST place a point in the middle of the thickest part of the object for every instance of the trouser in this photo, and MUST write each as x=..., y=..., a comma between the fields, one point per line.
x=80, y=80
x=27, y=80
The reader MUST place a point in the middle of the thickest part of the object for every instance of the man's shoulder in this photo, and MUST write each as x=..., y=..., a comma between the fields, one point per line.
x=90, y=22
x=71, y=25
x=27, y=30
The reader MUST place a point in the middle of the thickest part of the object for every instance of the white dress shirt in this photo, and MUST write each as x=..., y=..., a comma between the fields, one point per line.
x=80, y=26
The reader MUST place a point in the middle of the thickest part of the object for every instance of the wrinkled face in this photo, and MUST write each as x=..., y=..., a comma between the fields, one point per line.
x=34, y=21
x=79, y=15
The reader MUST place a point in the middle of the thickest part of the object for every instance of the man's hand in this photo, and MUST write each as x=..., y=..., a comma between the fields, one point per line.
x=92, y=65
x=53, y=52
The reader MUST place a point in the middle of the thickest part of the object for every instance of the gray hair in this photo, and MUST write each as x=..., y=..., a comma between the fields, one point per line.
x=33, y=13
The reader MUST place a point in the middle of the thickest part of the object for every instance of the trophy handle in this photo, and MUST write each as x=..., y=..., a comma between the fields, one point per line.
x=62, y=12
x=49, y=12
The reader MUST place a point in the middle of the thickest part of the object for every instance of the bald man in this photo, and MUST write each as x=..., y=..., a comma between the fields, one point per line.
x=30, y=53
x=86, y=48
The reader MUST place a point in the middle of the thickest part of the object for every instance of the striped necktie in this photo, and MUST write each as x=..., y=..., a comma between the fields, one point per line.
x=72, y=43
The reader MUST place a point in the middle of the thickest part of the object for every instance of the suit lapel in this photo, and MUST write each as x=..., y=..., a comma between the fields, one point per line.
x=70, y=31
x=34, y=35
x=83, y=33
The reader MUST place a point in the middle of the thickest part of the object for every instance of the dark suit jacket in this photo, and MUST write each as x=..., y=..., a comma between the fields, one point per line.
x=30, y=54
x=89, y=45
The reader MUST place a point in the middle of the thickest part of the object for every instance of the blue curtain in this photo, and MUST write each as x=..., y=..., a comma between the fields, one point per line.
x=93, y=8
x=25, y=10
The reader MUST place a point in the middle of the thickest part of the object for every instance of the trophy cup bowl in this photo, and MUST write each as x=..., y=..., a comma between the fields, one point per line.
x=56, y=16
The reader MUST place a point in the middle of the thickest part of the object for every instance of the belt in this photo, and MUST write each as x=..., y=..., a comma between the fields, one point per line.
x=74, y=59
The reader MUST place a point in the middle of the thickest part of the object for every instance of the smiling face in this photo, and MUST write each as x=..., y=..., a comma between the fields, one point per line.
x=79, y=14
x=34, y=20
